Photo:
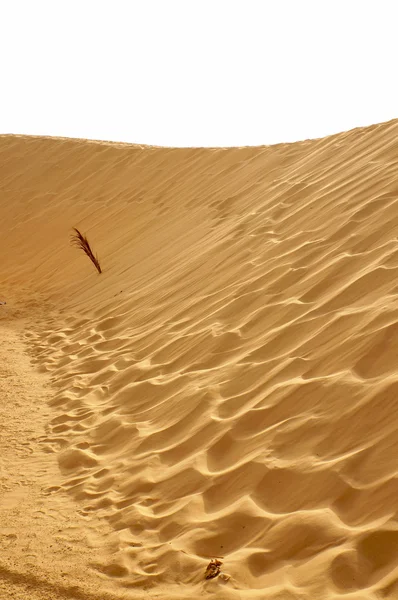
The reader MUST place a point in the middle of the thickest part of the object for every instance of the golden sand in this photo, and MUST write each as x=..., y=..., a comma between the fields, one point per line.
x=226, y=389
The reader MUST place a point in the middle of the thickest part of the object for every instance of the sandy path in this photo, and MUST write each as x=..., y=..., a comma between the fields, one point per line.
x=46, y=547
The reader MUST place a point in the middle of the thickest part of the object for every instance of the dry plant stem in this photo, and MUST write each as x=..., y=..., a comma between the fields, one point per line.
x=79, y=240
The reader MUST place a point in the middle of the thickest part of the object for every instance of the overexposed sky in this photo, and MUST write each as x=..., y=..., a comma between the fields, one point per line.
x=197, y=72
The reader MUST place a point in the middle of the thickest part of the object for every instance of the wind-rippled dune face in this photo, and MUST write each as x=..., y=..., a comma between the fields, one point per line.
x=228, y=386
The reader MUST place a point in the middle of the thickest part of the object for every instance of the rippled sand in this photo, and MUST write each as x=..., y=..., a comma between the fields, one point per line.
x=226, y=388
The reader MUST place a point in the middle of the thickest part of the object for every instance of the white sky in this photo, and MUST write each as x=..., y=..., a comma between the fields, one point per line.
x=197, y=72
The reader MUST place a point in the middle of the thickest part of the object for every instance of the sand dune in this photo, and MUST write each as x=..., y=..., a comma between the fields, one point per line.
x=226, y=388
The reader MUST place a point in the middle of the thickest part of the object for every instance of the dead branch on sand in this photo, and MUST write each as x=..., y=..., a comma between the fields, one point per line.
x=79, y=240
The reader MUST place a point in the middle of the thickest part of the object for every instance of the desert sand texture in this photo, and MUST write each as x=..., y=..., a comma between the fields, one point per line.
x=226, y=389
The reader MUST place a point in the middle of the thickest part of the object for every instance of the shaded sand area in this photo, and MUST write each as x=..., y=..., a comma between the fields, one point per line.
x=226, y=388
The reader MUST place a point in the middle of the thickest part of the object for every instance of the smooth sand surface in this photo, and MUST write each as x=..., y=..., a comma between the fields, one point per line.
x=226, y=388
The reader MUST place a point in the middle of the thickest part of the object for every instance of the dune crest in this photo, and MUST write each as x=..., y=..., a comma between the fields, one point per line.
x=227, y=387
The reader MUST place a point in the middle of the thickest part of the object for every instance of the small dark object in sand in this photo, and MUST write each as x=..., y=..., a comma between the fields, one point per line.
x=3, y=302
x=213, y=568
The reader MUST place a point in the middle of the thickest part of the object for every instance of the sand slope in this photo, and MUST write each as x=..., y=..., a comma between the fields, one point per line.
x=228, y=386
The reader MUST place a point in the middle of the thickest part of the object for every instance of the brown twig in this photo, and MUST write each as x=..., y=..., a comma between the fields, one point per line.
x=79, y=240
